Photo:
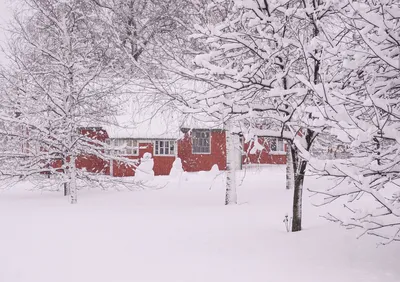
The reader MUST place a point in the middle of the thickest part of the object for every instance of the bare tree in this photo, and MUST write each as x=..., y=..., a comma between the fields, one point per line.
x=140, y=29
x=58, y=83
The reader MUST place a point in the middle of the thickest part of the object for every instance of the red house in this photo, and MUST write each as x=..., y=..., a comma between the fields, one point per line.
x=167, y=136
x=198, y=148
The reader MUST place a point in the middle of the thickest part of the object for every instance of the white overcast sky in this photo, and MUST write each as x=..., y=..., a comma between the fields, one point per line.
x=5, y=15
x=5, y=11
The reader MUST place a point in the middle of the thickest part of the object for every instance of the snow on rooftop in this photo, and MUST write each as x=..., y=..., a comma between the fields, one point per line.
x=145, y=121
x=141, y=114
x=201, y=121
x=161, y=125
x=144, y=127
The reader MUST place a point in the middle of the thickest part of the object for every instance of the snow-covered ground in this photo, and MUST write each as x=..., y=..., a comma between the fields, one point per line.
x=182, y=232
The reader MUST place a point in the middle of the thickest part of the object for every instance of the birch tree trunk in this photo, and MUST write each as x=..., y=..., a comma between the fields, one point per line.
x=65, y=184
x=111, y=167
x=289, y=167
x=66, y=189
x=230, y=193
x=72, y=183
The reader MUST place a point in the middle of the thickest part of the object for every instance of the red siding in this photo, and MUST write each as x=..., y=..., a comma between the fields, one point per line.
x=91, y=163
x=262, y=157
x=197, y=162
x=122, y=169
x=94, y=133
x=190, y=162
x=162, y=164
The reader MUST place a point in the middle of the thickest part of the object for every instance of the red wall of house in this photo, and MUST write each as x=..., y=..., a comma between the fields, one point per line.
x=197, y=162
x=162, y=164
x=262, y=157
x=92, y=163
x=190, y=162
x=122, y=169
x=94, y=133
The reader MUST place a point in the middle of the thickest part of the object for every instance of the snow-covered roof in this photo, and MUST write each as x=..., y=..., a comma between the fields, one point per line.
x=200, y=121
x=144, y=120
x=161, y=125
x=140, y=114
x=143, y=127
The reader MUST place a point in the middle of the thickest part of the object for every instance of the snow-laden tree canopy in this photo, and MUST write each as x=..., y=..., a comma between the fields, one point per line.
x=359, y=103
x=60, y=81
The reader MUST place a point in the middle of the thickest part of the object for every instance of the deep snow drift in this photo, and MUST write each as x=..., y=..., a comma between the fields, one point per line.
x=182, y=233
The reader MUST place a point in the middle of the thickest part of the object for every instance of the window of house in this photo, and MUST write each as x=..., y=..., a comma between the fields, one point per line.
x=201, y=142
x=276, y=145
x=164, y=148
x=123, y=146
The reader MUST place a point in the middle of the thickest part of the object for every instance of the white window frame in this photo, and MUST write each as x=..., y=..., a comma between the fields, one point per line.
x=278, y=141
x=157, y=148
x=129, y=147
x=194, y=138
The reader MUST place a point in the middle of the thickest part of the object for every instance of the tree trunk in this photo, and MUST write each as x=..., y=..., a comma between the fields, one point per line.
x=289, y=168
x=66, y=189
x=111, y=167
x=72, y=184
x=298, y=197
x=230, y=192
x=299, y=167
